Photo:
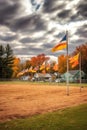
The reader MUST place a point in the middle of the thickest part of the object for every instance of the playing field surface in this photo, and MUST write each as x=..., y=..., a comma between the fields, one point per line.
x=24, y=100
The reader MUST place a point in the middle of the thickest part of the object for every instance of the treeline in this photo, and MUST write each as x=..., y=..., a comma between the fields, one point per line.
x=11, y=66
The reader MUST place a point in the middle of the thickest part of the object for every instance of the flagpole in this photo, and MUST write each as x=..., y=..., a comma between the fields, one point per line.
x=67, y=91
x=80, y=70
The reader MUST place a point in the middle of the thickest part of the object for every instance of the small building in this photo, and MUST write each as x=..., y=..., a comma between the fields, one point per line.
x=24, y=77
x=42, y=77
x=73, y=75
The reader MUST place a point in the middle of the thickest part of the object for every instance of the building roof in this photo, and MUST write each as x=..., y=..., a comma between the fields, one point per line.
x=37, y=75
x=73, y=74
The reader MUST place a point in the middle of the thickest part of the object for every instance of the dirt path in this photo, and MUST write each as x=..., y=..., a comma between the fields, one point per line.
x=19, y=101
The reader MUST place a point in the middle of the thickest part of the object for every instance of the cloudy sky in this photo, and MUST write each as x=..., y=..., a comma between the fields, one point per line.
x=33, y=27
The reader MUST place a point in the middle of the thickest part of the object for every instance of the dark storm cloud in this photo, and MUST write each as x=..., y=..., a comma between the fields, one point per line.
x=8, y=38
x=51, y=31
x=82, y=32
x=64, y=14
x=75, y=44
x=25, y=40
x=16, y=17
x=28, y=51
x=82, y=9
x=47, y=45
x=30, y=40
x=21, y=51
x=32, y=23
x=36, y=50
x=72, y=47
x=67, y=15
x=8, y=11
x=35, y=4
x=75, y=17
x=48, y=6
x=10, y=16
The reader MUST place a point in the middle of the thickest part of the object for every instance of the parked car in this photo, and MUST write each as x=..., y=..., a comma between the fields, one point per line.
x=59, y=80
x=25, y=78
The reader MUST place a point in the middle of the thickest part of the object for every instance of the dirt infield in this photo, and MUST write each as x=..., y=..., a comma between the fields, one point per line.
x=19, y=100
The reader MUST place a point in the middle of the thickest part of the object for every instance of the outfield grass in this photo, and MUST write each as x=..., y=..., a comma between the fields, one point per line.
x=45, y=83
x=74, y=118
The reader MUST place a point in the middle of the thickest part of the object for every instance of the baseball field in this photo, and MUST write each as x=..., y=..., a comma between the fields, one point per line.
x=24, y=99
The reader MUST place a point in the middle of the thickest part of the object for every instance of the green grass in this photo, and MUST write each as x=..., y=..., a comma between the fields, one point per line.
x=43, y=83
x=74, y=118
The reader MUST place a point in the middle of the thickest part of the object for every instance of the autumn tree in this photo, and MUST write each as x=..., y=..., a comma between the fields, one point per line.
x=33, y=65
x=83, y=50
x=62, y=64
x=27, y=64
x=55, y=67
x=38, y=60
x=16, y=67
x=51, y=69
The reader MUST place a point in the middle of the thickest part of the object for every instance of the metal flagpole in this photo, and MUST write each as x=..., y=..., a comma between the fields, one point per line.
x=67, y=65
x=80, y=70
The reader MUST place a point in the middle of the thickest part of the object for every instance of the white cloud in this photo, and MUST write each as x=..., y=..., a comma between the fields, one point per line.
x=38, y=34
x=28, y=7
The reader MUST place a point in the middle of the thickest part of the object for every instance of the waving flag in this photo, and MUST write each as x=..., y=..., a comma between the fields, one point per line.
x=42, y=67
x=74, y=60
x=75, y=64
x=61, y=45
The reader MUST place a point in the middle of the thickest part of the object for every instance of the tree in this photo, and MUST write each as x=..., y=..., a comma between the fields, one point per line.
x=51, y=69
x=62, y=64
x=16, y=67
x=38, y=60
x=1, y=61
x=83, y=50
x=6, y=61
x=27, y=64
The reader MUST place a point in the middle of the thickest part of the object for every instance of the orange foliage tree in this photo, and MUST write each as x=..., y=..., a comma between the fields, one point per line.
x=83, y=50
x=62, y=64
x=27, y=64
x=16, y=66
x=38, y=60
